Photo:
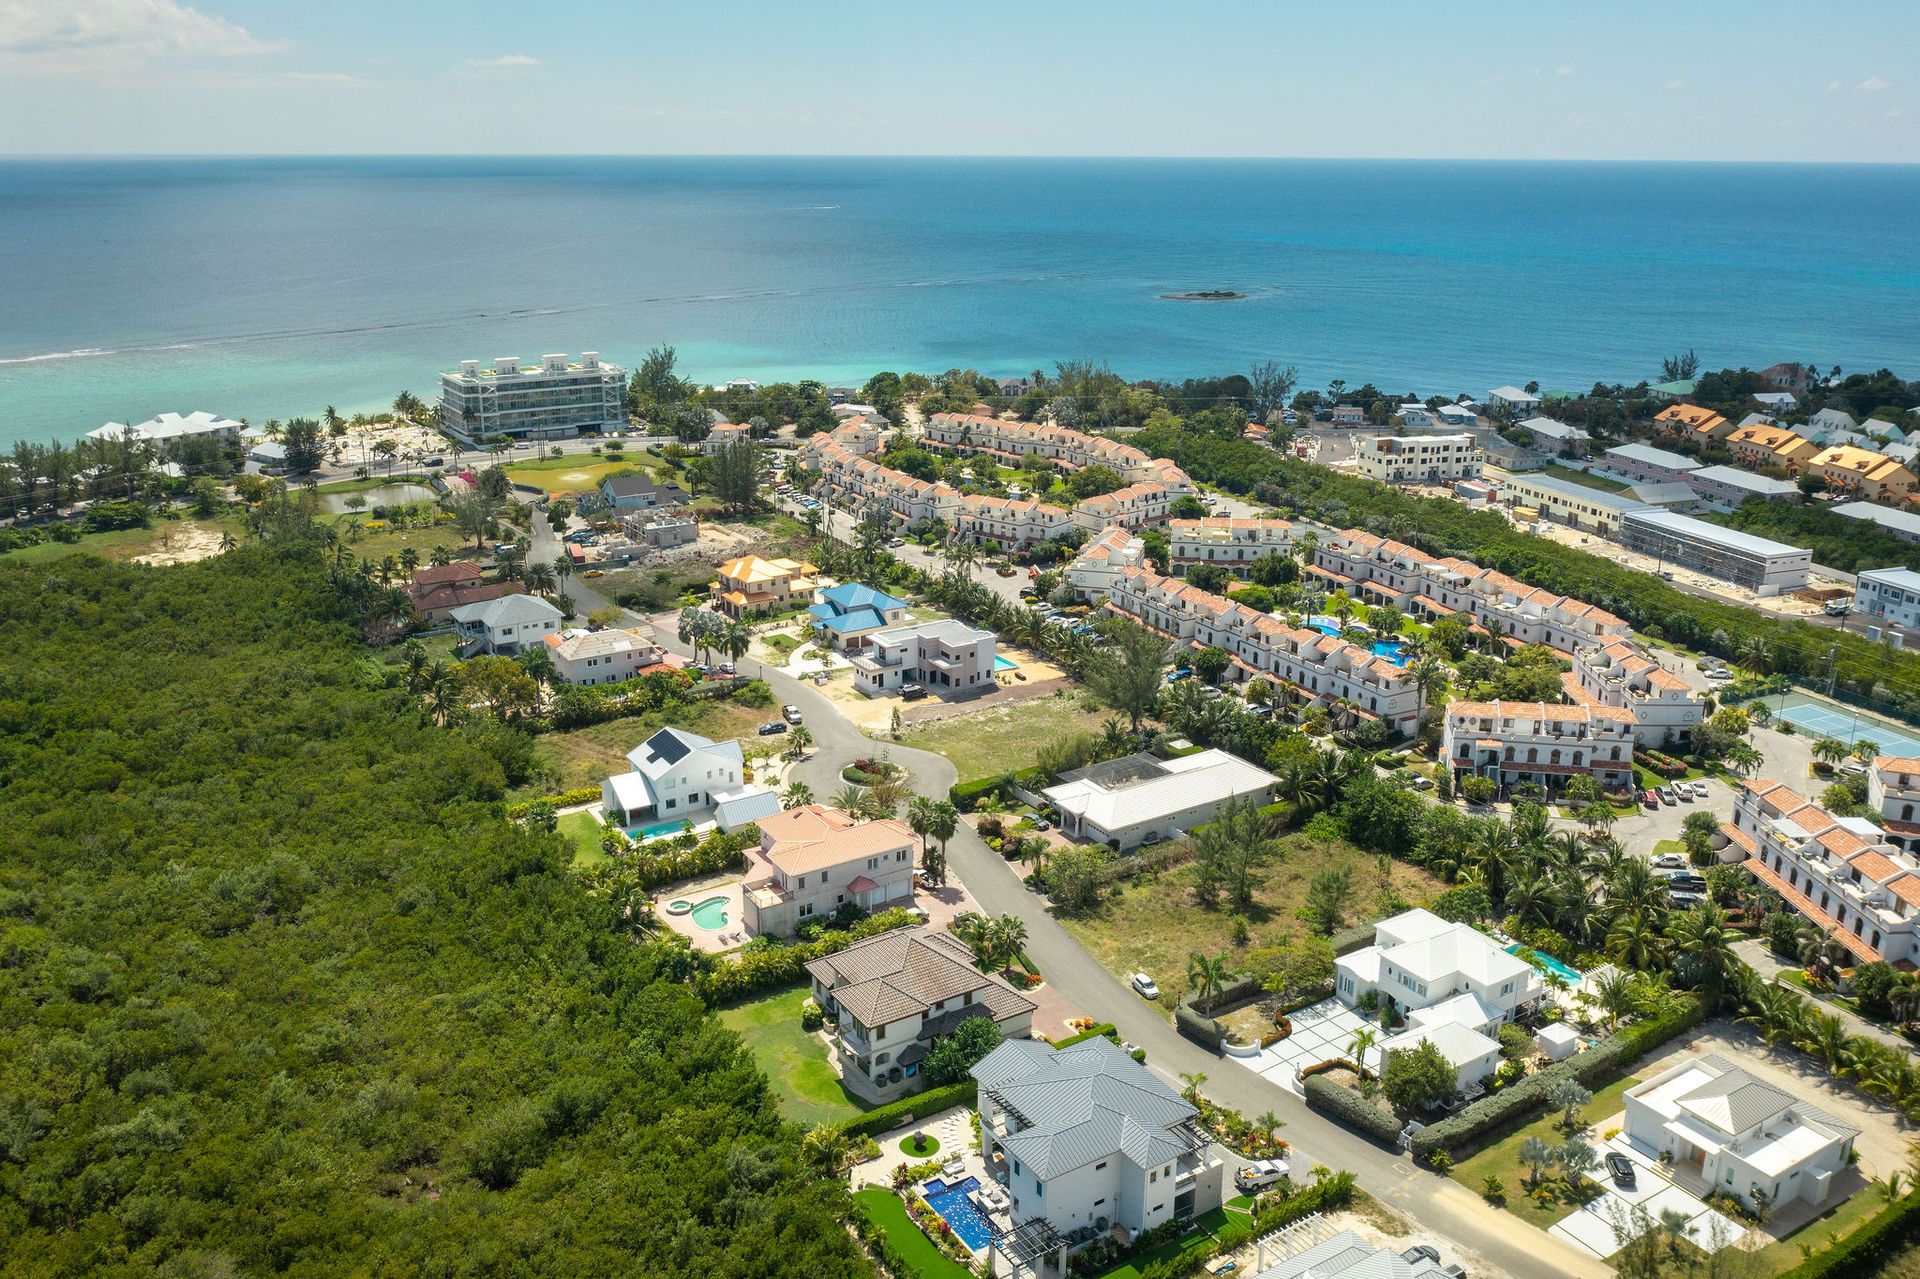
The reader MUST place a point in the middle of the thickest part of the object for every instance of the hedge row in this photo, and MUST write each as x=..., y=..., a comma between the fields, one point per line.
x=1862, y=1252
x=1348, y=940
x=565, y=799
x=1344, y=1106
x=1105, y=1030
x=1496, y=1114
x=966, y=795
x=896, y=1113
x=1204, y=1031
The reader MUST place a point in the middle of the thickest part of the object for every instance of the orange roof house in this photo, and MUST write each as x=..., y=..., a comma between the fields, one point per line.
x=1692, y=420
x=751, y=584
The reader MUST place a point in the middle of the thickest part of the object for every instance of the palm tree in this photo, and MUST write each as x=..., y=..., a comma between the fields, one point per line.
x=1614, y=993
x=1824, y=1035
x=826, y=1147
x=734, y=639
x=1866, y=750
x=538, y=577
x=798, y=795
x=802, y=738
x=945, y=820
x=562, y=569
x=1361, y=1044
x=1208, y=976
x=1009, y=936
x=1830, y=750
x=849, y=798
x=1776, y=1012
x=1702, y=936
x=1744, y=760
x=920, y=819
x=973, y=929
x=1537, y=1155
x=1635, y=942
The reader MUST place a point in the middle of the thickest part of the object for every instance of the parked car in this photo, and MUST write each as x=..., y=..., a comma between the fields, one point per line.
x=1670, y=861
x=1042, y=825
x=1699, y=789
x=1259, y=1174
x=1649, y=799
x=898, y=541
x=1667, y=796
x=434, y=461
x=1719, y=675
x=1422, y=782
x=728, y=668
x=1839, y=608
x=1174, y=677
x=912, y=692
x=790, y=713
x=773, y=728
x=1620, y=1168
x=1145, y=986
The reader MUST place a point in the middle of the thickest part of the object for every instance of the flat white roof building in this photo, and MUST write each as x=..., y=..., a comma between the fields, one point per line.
x=1760, y=564
x=549, y=400
x=1889, y=595
x=1417, y=459
x=170, y=426
x=1726, y=487
x=1139, y=799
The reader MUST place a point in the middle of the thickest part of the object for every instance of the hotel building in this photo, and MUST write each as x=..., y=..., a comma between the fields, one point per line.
x=551, y=400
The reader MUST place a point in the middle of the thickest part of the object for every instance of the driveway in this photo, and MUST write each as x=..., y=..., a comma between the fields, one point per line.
x=1598, y=1226
x=1322, y=1031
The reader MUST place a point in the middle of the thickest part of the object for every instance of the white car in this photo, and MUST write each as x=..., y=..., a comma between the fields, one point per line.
x=1719, y=676
x=1670, y=861
x=1259, y=1174
x=1145, y=986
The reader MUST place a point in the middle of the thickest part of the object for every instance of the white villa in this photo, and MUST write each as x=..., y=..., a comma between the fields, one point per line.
x=506, y=625
x=1139, y=799
x=1090, y=1139
x=581, y=656
x=168, y=427
x=680, y=776
x=1732, y=1132
x=1419, y=459
x=813, y=860
x=1455, y=984
x=945, y=656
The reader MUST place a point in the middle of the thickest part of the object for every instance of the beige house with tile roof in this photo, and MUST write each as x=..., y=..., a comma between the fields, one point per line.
x=813, y=860
x=894, y=996
x=1517, y=742
x=1230, y=540
x=1619, y=674
x=750, y=584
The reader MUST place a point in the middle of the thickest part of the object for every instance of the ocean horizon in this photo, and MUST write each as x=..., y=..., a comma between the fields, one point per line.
x=274, y=286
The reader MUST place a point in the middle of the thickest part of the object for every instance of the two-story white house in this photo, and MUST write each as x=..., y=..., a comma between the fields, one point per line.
x=1089, y=1139
x=680, y=777
x=945, y=656
x=894, y=996
x=505, y=626
x=1619, y=674
x=813, y=860
x=581, y=656
x=1728, y=1131
x=1454, y=984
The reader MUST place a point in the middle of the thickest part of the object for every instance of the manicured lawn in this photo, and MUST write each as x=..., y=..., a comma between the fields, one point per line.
x=587, y=756
x=568, y=474
x=795, y=1062
x=1242, y=1204
x=931, y=1149
x=1668, y=846
x=1197, y=1237
x=371, y=482
x=888, y=1214
x=1837, y=1223
x=1152, y=923
x=1586, y=480
x=584, y=830
x=1502, y=1159
x=1000, y=739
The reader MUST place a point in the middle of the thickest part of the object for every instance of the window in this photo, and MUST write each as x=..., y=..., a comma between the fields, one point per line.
x=1097, y=1167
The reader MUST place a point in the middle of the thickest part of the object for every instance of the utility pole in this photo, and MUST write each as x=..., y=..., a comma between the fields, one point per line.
x=1833, y=667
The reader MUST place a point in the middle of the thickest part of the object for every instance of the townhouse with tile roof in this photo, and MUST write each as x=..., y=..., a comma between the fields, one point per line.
x=1324, y=670
x=1692, y=421
x=1619, y=674
x=1862, y=473
x=1101, y=560
x=1230, y=540
x=1841, y=873
x=1075, y=450
x=1763, y=445
x=893, y=997
x=1511, y=743
x=1893, y=791
x=813, y=860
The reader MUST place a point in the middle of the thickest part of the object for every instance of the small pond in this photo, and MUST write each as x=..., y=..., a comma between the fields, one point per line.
x=399, y=493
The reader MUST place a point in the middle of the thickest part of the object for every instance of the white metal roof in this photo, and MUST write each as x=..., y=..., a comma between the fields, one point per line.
x=1191, y=781
x=1713, y=534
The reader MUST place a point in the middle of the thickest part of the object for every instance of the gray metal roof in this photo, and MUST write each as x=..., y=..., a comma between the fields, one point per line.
x=1885, y=516
x=1082, y=1104
x=1650, y=456
x=1348, y=1256
x=1686, y=526
x=1568, y=488
x=508, y=610
x=1763, y=485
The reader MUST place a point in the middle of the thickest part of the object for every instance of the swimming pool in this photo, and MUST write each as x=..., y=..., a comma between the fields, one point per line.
x=1393, y=650
x=653, y=830
x=1004, y=663
x=1548, y=962
x=1824, y=720
x=951, y=1202
x=711, y=914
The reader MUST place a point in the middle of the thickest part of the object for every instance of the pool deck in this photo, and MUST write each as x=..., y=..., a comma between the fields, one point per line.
x=698, y=891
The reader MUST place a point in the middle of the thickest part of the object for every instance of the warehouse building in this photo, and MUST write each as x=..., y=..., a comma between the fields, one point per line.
x=1760, y=564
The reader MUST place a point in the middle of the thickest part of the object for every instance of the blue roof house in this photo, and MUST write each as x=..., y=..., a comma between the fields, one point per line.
x=845, y=615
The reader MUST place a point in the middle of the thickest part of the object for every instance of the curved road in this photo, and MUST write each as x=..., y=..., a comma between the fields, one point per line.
x=1438, y=1204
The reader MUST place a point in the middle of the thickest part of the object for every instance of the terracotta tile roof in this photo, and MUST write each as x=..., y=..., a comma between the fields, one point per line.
x=1739, y=838
x=1804, y=904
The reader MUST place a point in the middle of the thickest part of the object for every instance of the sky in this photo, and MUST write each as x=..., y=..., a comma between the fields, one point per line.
x=1618, y=79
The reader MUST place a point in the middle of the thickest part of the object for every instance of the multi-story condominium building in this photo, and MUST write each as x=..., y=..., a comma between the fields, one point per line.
x=1140, y=799
x=1088, y=1135
x=813, y=860
x=1726, y=487
x=1388, y=572
x=607, y=657
x=168, y=427
x=1556, y=438
x=750, y=584
x=1763, y=446
x=1842, y=873
x=1565, y=502
x=1619, y=674
x=1229, y=540
x=1324, y=670
x=1641, y=463
x=1135, y=506
x=1692, y=421
x=894, y=996
x=1516, y=742
x=1760, y=564
x=1893, y=791
x=945, y=655
x=1514, y=399
x=1456, y=984
x=504, y=626
x=1010, y=521
x=1870, y=475
x=1072, y=449
x=677, y=776
x=852, y=479
x=1418, y=459
x=1890, y=596
x=1725, y=1131
x=1104, y=558
x=545, y=401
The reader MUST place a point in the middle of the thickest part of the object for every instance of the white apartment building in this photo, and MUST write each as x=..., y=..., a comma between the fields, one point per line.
x=1010, y=521
x=1135, y=506
x=894, y=996
x=1575, y=505
x=1893, y=791
x=971, y=432
x=945, y=656
x=1514, y=399
x=1101, y=560
x=581, y=656
x=1088, y=1135
x=1890, y=596
x=1619, y=674
x=1841, y=873
x=551, y=400
x=1518, y=742
x=813, y=860
x=1455, y=985
x=1642, y=463
x=1728, y=1131
x=1419, y=459
x=1760, y=564
x=1230, y=540
x=1322, y=669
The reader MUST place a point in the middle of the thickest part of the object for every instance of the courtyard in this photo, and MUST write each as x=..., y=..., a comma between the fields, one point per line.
x=1321, y=1032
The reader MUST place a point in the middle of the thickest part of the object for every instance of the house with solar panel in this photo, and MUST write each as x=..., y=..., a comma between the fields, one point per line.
x=844, y=616
x=1085, y=1138
x=679, y=777
x=1727, y=1131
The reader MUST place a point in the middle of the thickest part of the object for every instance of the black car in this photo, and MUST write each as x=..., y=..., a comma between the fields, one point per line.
x=773, y=728
x=1620, y=1168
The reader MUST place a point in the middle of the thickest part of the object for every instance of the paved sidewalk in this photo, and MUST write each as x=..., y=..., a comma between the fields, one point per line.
x=1761, y=959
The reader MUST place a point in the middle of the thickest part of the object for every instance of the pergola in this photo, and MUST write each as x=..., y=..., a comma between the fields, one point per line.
x=1033, y=1247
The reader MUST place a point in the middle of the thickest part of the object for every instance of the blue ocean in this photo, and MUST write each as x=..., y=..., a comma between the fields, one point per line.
x=272, y=287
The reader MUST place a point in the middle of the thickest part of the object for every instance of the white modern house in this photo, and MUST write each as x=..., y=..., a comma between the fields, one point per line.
x=1124, y=803
x=1347, y=1256
x=894, y=996
x=1418, y=459
x=1727, y=1131
x=813, y=860
x=1090, y=1139
x=505, y=626
x=1515, y=399
x=1455, y=985
x=168, y=427
x=1890, y=596
x=945, y=656
x=581, y=656
x=680, y=777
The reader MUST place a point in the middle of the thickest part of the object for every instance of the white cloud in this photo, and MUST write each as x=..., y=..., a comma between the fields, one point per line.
x=1676, y=85
x=505, y=60
x=1833, y=86
x=1895, y=114
x=1565, y=68
x=85, y=34
x=1872, y=84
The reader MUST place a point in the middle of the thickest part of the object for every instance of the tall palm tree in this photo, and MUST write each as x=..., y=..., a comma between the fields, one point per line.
x=1635, y=942
x=1208, y=975
x=734, y=639
x=797, y=795
x=1009, y=935
x=1744, y=760
x=1701, y=935
x=538, y=577
x=849, y=798
x=1362, y=1043
x=1613, y=991
x=1830, y=750
x=920, y=820
x=1777, y=1013
x=1865, y=750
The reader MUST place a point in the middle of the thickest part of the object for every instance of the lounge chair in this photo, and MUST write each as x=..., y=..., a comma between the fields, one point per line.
x=953, y=1168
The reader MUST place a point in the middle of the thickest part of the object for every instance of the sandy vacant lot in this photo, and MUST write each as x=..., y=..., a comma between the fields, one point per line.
x=183, y=545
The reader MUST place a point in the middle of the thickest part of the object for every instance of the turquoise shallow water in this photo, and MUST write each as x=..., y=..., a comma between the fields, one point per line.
x=270, y=287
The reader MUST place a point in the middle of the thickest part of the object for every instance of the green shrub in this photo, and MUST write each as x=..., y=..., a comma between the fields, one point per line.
x=1105, y=1030
x=1204, y=1031
x=1861, y=1252
x=1347, y=1107
x=1349, y=940
x=565, y=799
x=965, y=795
x=904, y=1111
x=754, y=971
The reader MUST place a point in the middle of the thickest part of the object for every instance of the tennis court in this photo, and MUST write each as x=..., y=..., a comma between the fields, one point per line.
x=1823, y=720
